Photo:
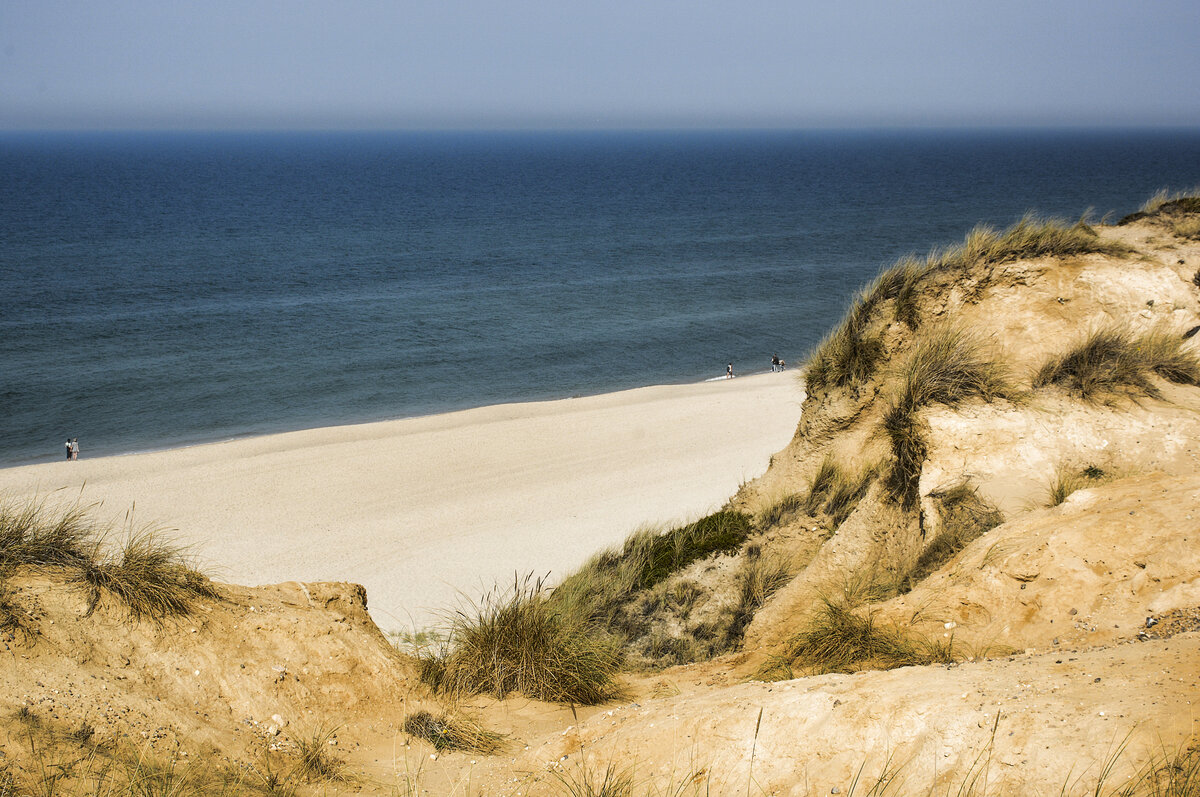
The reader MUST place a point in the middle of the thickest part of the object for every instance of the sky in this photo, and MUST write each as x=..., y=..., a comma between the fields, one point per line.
x=530, y=64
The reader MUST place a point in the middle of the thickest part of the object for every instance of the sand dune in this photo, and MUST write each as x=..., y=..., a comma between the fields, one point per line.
x=419, y=509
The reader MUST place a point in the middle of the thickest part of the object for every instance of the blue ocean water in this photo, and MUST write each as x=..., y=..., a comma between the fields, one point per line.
x=166, y=289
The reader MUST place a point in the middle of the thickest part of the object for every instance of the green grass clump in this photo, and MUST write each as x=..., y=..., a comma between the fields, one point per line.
x=840, y=640
x=945, y=367
x=965, y=516
x=1113, y=361
x=1069, y=480
x=452, y=732
x=608, y=581
x=518, y=641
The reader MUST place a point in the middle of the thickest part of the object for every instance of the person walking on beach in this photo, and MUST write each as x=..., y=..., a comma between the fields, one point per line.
x=68, y=449
x=74, y=448
x=774, y=363
x=729, y=371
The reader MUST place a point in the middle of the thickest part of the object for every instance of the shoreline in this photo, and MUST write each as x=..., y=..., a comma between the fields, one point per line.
x=48, y=459
x=421, y=510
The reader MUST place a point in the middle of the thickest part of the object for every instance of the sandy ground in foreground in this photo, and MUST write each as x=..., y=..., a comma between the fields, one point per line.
x=420, y=510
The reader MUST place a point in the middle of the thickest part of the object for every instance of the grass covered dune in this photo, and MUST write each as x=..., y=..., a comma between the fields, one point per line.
x=419, y=509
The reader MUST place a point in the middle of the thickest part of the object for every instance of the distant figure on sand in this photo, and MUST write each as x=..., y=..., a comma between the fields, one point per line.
x=68, y=449
x=729, y=371
x=74, y=448
x=774, y=363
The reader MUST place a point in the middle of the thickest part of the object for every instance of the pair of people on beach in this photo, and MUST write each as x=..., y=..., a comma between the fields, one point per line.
x=72, y=448
x=776, y=363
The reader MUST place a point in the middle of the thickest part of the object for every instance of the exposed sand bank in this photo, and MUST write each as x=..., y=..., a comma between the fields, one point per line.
x=418, y=509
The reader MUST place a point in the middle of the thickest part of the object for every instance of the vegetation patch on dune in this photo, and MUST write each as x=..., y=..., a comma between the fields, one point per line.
x=149, y=574
x=852, y=353
x=64, y=760
x=1069, y=480
x=606, y=582
x=451, y=731
x=840, y=639
x=1165, y=203
x=837, y=491
x=945, y=367
x=518, y=641
x=964, y=516
x=1113, y=361
x=1030, y=237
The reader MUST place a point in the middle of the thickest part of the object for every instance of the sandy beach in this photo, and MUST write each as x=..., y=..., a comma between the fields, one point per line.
x=420, y=510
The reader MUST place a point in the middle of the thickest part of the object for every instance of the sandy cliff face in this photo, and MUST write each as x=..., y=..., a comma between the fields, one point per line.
x=257, y=668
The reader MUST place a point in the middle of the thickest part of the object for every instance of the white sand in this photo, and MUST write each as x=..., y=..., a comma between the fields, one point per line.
x=419, y=509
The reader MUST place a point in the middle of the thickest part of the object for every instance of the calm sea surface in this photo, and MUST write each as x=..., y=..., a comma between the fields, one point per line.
x=167, y=289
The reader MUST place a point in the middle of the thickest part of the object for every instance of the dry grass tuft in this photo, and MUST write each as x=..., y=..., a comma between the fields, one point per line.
x=759, y=577
x=316, y=760
x=850, y=355
x=1168, y=774
x=775, y=514
x=13, y=619
x=519, y=641
x=838, y=639
x=1069, y=480
x=946, y=367
x=1187, y=228
x=612, y=781
x=34, y=533
x=1166, y=203
x=151, y=576
x=836, y=492
x=899, y=284
x=1165, y=353
x=450, y=731
x=1031, y=237
x=965, y=516
x=1112, y=362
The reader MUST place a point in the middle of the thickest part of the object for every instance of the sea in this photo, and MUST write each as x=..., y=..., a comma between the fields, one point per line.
x=168, y=289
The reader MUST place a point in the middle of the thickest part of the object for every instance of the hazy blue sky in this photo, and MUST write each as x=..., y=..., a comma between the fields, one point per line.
x=617, y=63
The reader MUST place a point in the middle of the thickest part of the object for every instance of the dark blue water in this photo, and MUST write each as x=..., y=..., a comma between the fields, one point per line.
x=165, y=289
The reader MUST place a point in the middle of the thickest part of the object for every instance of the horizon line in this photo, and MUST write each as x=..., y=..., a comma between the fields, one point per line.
x=858, y=128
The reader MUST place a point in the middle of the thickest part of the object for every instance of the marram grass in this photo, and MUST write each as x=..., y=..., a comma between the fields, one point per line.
x=149, y=574
x=518, y=641
x=1113, y=361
